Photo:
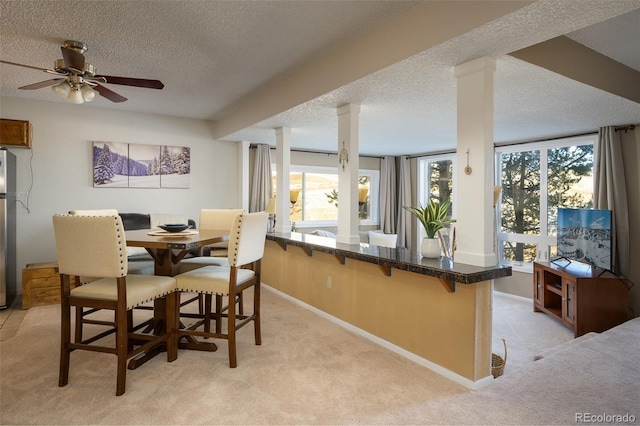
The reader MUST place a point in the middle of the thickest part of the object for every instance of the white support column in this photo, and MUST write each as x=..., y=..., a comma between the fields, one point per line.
x=348, y=171
x=474, y=192
x=243, y=175
x=283, y=167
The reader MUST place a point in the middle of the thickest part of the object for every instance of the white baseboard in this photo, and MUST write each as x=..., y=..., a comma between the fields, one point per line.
x=394, y=348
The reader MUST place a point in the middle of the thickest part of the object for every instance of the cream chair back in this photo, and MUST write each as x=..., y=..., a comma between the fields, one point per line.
x=248, y=235
x=217, y=219
x=93, y=246
x=383, y=240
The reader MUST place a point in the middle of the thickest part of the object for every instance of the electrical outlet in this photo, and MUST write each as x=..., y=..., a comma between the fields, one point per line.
x=328, y=281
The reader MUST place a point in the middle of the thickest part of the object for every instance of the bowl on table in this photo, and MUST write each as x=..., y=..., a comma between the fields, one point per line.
x=174, y=227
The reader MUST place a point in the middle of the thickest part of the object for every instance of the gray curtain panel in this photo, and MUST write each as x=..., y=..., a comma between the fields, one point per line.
x=610, y=193
x=404, y=199
x=261, y=186
x=388, y=196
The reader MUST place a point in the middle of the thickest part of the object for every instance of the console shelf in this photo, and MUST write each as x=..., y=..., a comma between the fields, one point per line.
x=575, y=295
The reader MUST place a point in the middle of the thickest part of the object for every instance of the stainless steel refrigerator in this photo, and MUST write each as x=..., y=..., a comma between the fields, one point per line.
x=8, y=283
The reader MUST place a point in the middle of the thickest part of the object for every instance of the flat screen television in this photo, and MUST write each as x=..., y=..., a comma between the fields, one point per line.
x=584, y=235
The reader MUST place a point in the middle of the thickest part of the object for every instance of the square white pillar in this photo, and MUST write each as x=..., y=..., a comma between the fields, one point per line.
x=283, y=168
x=348, y=171
x=475, y=159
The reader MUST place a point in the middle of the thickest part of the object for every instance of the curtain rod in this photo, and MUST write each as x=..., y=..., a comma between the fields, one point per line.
x=428, y=154
x=309, y=151
x=626, y=128
x=571, y=135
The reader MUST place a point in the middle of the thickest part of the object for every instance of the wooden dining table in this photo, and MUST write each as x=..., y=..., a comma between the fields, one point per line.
x=167, y=250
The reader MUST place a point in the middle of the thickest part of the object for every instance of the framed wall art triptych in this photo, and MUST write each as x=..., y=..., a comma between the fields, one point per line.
x=126, y=165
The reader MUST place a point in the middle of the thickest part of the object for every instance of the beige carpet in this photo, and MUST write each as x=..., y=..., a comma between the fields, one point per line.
x=307, y=371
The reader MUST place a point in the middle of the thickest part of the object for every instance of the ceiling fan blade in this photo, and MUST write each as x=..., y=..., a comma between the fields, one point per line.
x=137, y=82
x=42, y=84
x=109, y=94
x=73, y=59
x=26, y=66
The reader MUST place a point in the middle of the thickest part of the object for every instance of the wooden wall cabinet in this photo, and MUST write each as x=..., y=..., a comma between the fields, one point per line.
x=579, y=298
x=15, y=133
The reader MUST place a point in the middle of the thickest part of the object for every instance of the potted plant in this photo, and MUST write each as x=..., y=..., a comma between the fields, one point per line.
x=433, y=218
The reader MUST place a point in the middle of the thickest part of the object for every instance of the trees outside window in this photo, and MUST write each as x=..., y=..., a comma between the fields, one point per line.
x=536, y=180
x=436, y=182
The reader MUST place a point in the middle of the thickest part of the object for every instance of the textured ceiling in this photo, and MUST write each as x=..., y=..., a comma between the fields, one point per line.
x=212, y=55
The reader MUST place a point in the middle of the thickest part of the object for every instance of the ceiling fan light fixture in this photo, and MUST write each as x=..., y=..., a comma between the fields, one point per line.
x=75, y=97
x=76, y=79
x=62, y=89
x=88, y=94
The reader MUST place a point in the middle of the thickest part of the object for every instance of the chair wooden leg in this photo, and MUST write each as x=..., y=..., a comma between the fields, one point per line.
x=207, y=313
x=65, y=339
x=231, y=332
x=172, y=311
x=78, y=327
x=240, y=305
x=121, y=349
x=256, y=310
x=129, y=329
x=200, y=304
x=218, y=315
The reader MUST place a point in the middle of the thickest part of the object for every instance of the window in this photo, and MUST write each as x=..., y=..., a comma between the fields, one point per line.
x=313, y=196
x=536, y=179
x=436, y=181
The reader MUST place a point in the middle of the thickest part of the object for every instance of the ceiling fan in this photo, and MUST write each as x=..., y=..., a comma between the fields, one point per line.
x=78, y=80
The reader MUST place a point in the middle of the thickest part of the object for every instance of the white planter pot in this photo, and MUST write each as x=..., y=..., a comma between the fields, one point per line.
x=430, y=247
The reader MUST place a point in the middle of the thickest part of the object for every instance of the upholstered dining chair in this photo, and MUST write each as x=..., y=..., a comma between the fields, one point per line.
x=212, y=219
x=214, y=255
x=95, y=246
x=82, y=315
x=246, y=246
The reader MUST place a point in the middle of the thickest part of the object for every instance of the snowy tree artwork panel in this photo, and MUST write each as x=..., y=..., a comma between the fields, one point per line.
x=175, y=167
x=124, y=165
x=110, y=164
x=144, y=166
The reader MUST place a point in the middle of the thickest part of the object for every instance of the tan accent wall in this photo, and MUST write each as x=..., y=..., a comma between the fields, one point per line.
x=410, y=310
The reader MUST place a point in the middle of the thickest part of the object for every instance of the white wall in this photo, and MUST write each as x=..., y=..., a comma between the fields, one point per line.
x=61, y=162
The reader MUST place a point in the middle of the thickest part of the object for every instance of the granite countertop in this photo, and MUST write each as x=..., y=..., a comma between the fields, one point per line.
x=389, y=258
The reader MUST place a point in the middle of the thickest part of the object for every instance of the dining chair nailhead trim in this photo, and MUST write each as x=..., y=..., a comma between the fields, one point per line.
x=235, y=249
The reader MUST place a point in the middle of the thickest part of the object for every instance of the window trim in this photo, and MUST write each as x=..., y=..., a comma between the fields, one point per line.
x=374, y=179
x=422, y=179
x=544, y=241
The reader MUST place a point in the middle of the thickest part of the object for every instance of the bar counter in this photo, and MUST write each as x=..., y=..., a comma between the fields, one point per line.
x=432, y=311
x=389, y=259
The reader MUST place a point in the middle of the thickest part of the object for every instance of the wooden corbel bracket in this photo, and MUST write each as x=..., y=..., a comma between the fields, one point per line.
x=386, y=269
x=450, y=285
